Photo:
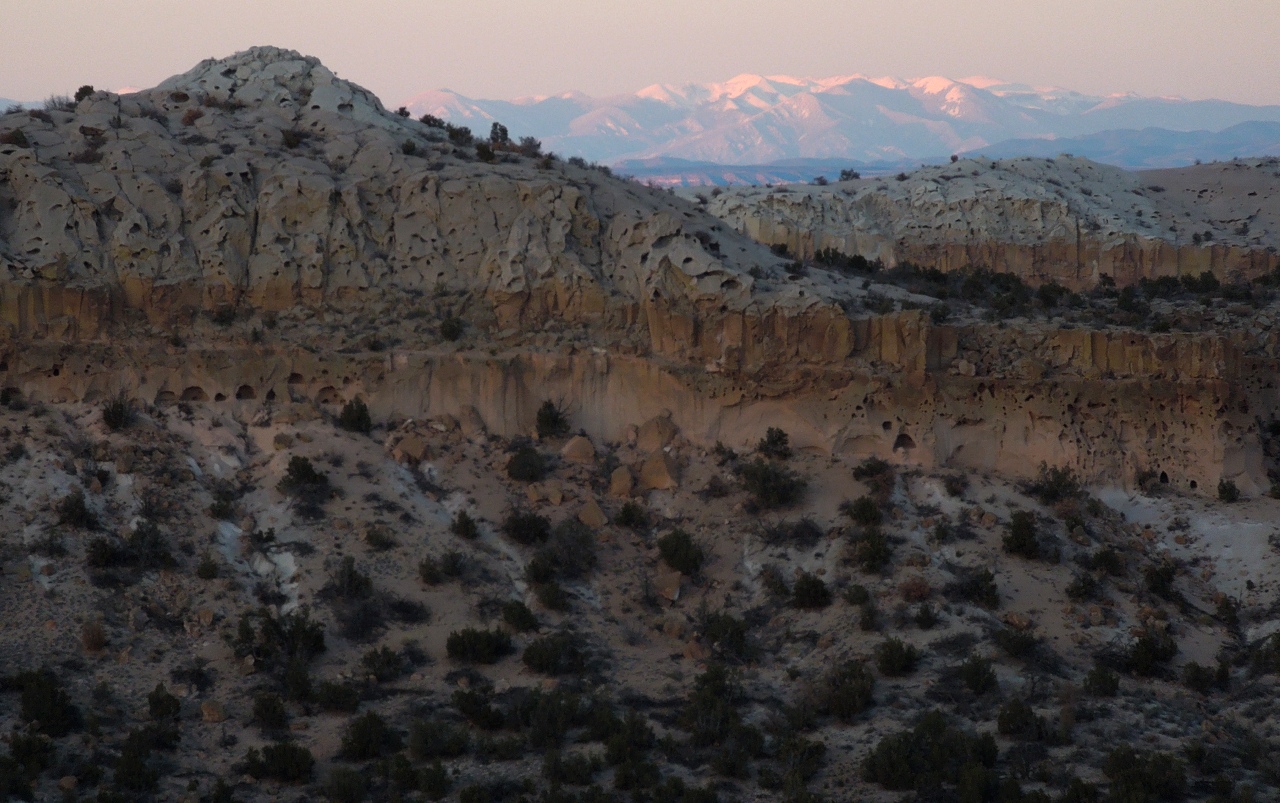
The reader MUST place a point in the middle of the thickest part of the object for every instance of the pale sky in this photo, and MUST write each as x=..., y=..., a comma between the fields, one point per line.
x=1226, y=49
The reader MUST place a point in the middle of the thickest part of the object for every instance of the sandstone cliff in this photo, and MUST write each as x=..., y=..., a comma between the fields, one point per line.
x=256, y=231
x=1066, y=220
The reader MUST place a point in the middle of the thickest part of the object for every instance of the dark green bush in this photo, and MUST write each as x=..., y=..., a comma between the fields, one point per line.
x=569, y=553
x=451, y=328
x=865, y=511
x=1149, y=653
x=355, y=417
x=711, y=711
x=368, y=737
x=771, y=485
x=464, y=526
x=118, y=412
x=1109, y=561
x=846, y=691
x=43, y=703
x=346, y=582
x=527, y=465
x=269, y=712
x=478, y=646
x=1101, y=682
x=346, y=785
x=978, y=676
x=1228, y=492
x=133, y=770
x=559, y=653
x=810, y=593
x=871, y=550
x=308, y=487
x=552, y=421
x=1017, y=719
x=336, y=697
x=977, y=586
x=162, y=705
x=73, y=511
x=857, y=594
x=1204, y=679
x=632, y=516
x=384, y=663
x=878, y=476
x=433, y=739
x=726, y=635
x=1139, y=776
x=775, y=444
x=895, y=658
x=1021, y=539
x=571, y=770
x=1016, y=643
x=526, y=527
x=1055, y=484
x=932, y=757
x=287, y=762
x=680, y=552
x=518, y=616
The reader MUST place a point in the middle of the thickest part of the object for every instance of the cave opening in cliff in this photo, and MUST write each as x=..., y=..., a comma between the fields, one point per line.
x=246, y=392
x=904, y=441
x=1164, y=478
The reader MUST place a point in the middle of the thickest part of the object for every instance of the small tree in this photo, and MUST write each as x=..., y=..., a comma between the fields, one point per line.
x=498, y=134
x=1228, y=492
x=552, y=421
x=680, y=552
x=83, y=92
x=1021, y=539
x=355, y=417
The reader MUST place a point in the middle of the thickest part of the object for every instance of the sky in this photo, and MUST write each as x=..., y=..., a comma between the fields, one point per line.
x=1228, y=49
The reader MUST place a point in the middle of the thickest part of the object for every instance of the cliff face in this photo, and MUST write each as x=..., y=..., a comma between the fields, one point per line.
x=332, y=239
x=1065, y=220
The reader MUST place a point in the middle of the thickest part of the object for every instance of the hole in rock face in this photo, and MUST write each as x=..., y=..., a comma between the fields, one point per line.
x=295, y=379
x=166, y=397
x=271, y=395
x=904, y=441
x=1194, y=485
x=219, y=397
x=195, y=393
x=329, y=395
x=886, y=426
x=1164, y=477
x=246, y=392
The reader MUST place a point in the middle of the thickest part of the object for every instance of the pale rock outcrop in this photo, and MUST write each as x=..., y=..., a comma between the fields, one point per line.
x=578, y=449
x=659, y=473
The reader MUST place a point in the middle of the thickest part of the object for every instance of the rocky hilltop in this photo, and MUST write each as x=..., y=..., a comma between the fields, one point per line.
x=1065, y=220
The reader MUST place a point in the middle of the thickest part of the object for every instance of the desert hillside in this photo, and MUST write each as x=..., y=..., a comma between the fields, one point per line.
x=350, y=457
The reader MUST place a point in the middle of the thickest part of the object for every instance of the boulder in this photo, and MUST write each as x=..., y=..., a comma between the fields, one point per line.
x=621, y=482
x=658, y=473
x=591, y=515
x=579, y=450
x=656, y=433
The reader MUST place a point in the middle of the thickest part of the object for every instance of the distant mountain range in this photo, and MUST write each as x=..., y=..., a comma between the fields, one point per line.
x=756, y=120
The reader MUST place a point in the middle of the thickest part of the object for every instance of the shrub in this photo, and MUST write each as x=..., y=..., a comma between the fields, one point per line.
x=810, y=593
x=955, y=484
x=1054, y=484
x=551, y=596
x=384, y=663
x=478, y=646
x=1021, y=539
x=451, y=328
x=308, y=487
x=518, y=616
x=857, y=594
x=775, y=444
x=15, y=137
x=771, y=486
x=484, y=152
x=287, y=762
x=526, y=527
x=552, y=421
x=680, y=552
x=915, y=589
x=931, y=755
x=464, y=526
x=355, y=417
x=1017, y=719
x=1101, y=682
x=1204, y=679
x=725, y=634
x=527, y=465
x=1108, y=561
x=877, y=475
x=926, y=617
x=1159, y=579
x=1149, y=653
x=346, y=785
x=368, y=737
x=347, y=582
x=865, y=511
x=871, y=550
x=269, y=712
x=895, y=658
x=336, y=697
x=432, y=739
x=208, y=567
x=1138, y=776
x=846, y=691
x=293, y=137
x=162, y=705
x=631, y=516
x=569, y=553
x=43, y=704
x=118, y=412
x=132, y=771
x=1228, y=492
x=1016, y=643
x=711, y=711
x=556, y=654
x=73, y=511
x=978, y=676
